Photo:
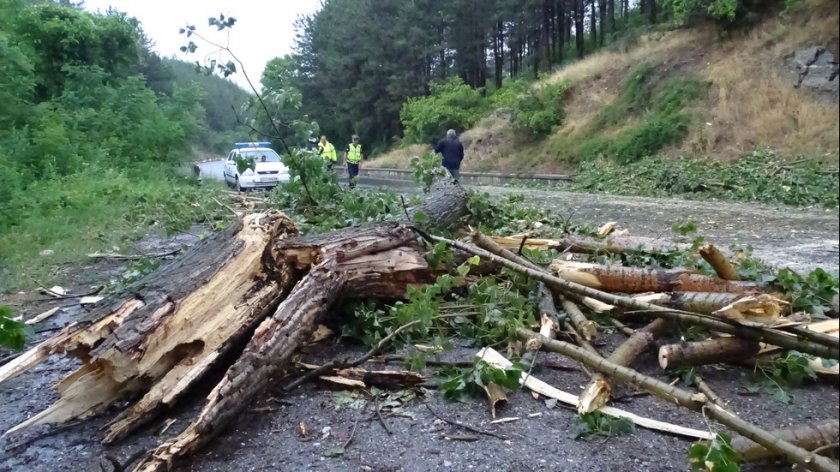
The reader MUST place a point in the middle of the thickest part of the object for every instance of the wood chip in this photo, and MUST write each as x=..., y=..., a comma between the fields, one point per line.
x=508, y=419
x=43, y=315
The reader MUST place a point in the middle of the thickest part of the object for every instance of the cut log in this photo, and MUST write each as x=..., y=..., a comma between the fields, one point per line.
x=712, y=351
x=697, y=302
x=711, y=254
x=639, y=280
x=583, y=245
x=807, y=436
x=586, y=327
x=598, y=390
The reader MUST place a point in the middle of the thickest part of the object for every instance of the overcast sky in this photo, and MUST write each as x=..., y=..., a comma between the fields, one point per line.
x=263, y=30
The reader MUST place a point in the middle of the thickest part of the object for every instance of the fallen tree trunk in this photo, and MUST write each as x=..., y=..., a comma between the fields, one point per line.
x=640, y=280
x=711, y=351
x=173, y=326
x=250, y=281
x=806, y=436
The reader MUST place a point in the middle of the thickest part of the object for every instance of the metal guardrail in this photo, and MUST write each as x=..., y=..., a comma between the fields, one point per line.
x=386, y=173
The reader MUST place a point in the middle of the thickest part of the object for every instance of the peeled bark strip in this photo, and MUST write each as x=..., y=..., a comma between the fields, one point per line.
x=586, y=327
x=711, y=254
x=806, y=436
x=640, y=280
x=712, y=351
x=597, y=392
x=696, y=402
x=172, y=328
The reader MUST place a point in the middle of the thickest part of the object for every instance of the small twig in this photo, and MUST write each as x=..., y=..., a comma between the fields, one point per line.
x=344, y=365
x=464, y=426
x=707, y=390
x=521, y=245
x=355, y=427
x=387, y=359
x=379, y=415
x=825, y=447
x=131, y=257
x=405, y=208
x=118, y=466
x=226, y=206
x=626, y=330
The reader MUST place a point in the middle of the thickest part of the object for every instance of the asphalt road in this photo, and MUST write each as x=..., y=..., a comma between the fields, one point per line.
x=800, y=238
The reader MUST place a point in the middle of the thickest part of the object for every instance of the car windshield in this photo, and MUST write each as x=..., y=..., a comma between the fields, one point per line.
x=257, y=155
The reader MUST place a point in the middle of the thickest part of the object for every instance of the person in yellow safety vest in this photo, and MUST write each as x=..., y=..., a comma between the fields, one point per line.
x=327, y=152
x=353, y=155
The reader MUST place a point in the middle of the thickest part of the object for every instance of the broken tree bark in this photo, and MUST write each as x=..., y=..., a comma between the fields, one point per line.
x=378, y=261
x=171, y=329
x=768, y=335
x=806, y=436
x=640, y=280
x=711, y=351
x=696, y=402
x=181, y=320
x=711, y=254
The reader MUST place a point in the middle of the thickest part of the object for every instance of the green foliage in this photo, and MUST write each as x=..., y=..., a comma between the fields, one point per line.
x=715, y=456
x=314, y=197
x=12, y=333
x=450, y=105
x=93, y=134
x=790, y=370
x=536, y=109
x=597, y=424
x=465, y=384
x=425, y=169
x=510, y=215
x=757, y=177
x=811, y=293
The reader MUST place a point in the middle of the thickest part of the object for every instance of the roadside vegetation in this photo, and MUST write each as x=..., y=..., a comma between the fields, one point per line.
x=95, y=138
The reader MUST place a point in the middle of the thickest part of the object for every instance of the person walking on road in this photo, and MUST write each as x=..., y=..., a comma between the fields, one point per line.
x=353, y=156
x=327, y=151
x=453, y=153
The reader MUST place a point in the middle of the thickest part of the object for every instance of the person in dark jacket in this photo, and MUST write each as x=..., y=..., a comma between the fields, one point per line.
x=453, y=153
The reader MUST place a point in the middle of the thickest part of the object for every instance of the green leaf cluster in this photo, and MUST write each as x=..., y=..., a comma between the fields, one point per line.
x=716, y=455
x=465, y=384
x=597, y=424
x=12, y=333
x=790, y=370
x=811, y=293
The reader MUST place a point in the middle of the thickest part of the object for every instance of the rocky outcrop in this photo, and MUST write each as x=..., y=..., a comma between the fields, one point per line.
x=816, y=70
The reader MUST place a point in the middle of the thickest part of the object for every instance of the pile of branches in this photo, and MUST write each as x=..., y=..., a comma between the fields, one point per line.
x=262, y=285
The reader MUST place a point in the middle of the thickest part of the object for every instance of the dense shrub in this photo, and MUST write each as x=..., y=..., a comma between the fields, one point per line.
x=451, y=105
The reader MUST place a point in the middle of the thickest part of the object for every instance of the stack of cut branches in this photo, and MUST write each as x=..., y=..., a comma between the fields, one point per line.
x=743, y=320
x=244, y=300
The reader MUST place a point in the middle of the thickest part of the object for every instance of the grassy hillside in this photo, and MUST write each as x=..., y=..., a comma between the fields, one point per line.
x=687, y=92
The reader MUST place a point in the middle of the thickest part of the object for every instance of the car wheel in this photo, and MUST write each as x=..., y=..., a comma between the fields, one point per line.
x=237, y=186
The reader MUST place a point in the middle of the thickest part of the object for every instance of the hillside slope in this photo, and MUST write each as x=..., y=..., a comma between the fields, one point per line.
x=684, y=92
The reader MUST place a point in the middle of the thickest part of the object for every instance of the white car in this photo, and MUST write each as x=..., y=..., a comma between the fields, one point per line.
x=254, y=165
